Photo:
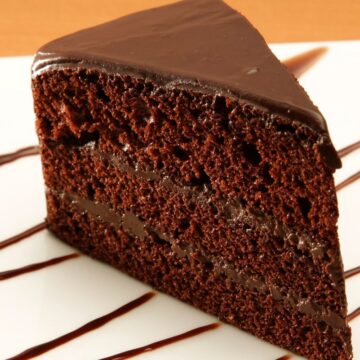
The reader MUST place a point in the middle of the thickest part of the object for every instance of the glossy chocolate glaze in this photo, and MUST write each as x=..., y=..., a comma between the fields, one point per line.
x=23, y=235
x=199, y=44
x=348, y=181
x=135, y=227
x=90, y=326
x=354, y=314
x=5, y=275
x=300, y=63
x=158, y=344
x=351, y=272
x=18, y=154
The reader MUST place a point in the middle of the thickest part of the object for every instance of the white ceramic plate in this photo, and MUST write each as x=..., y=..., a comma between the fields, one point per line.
x=43, y=305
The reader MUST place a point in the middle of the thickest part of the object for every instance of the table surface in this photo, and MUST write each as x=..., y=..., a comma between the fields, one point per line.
x=27, y=24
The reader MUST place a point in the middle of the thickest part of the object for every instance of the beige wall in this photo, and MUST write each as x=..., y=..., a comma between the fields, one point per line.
x=27, y=24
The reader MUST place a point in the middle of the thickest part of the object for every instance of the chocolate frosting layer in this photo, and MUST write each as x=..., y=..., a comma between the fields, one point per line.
x=197, y=44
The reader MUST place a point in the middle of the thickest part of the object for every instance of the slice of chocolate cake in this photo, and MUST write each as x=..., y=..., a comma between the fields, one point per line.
x=177, y=148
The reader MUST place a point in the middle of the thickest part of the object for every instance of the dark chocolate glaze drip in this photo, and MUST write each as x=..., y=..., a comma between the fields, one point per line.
x=90, y=326
x=300, y=63
x=197, y=45
x=353, y=314
x=158, y=344
x=348, y=181
x=351, y=272
x=285, y=357
x=18, y=154
x=23, y=235
x=349, y=149
x=4, y=275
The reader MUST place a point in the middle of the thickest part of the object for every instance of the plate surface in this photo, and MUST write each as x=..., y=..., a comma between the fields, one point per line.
x=43, y=305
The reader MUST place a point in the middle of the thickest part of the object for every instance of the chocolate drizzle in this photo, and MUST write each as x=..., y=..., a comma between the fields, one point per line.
x=349, y=149
x=90, y=326
x=158, y=344
x=18, y=154
x=352, y=272
x=354, y=314
x=136, y=227
x=23, y=235
x=285, y=357
x=5, y=275
x=348, y=181
x=298, y=64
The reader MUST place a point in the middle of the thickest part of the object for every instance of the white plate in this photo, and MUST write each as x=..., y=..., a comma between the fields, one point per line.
x=43, y=305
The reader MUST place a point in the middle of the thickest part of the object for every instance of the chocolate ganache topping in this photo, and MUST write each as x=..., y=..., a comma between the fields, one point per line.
x=193, y=44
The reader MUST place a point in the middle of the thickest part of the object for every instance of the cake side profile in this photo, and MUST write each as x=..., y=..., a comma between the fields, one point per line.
x=178, y=149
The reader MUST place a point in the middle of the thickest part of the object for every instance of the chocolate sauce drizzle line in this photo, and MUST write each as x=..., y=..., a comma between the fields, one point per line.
x=90, y=326
x=8, y=274
x=158, y=344
x=351, y=272
x=349, y=149
x=18, y=154
x=23, y=235
x=348, y=181
x=285, y=357
x=300, y=63
x=353, y=314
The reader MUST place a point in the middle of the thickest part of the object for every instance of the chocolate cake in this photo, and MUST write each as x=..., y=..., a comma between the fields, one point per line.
x=177, y=148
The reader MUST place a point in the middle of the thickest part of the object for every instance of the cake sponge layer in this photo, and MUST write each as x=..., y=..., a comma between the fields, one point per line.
x=229, y=193
x=234, y=148
x=154, y=261
x=226, y=233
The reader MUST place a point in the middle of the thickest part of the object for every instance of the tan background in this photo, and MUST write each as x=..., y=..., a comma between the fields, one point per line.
x=27, y=24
